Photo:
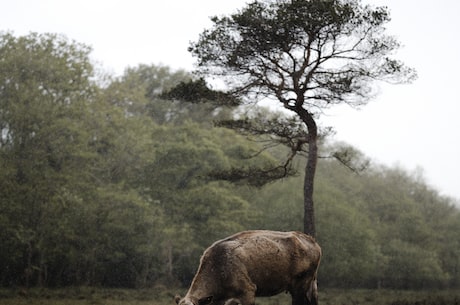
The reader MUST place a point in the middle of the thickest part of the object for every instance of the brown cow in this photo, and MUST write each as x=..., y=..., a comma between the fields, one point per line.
x=238, y=268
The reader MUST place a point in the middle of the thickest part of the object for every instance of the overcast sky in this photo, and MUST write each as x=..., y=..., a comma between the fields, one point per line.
x=411, y=126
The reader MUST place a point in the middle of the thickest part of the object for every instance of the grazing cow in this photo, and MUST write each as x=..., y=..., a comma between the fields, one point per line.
x=234, y=270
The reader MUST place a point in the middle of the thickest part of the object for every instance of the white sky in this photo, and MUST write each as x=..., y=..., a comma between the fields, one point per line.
x=412, y=126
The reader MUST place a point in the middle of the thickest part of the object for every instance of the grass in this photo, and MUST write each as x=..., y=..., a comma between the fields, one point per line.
x=85, y=296
x=375, y=297
x=163, y=296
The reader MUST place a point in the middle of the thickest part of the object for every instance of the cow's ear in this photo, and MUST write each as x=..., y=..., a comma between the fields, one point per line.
x=205, y=301
x=177, y=298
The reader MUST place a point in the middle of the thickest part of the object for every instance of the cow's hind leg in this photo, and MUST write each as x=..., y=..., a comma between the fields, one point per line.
x=299, y=298
x=305, y=293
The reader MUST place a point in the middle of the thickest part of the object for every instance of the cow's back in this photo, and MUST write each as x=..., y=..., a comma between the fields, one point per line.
x=272, y=260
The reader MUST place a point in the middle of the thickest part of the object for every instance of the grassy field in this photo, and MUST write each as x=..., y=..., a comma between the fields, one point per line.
x=161, y=296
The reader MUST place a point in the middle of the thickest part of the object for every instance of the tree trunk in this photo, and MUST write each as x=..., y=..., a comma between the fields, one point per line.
x=310, y=170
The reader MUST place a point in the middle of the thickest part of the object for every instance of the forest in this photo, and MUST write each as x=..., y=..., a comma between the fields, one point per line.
x=106, y=183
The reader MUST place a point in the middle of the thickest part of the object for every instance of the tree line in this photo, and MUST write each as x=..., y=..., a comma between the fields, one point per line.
x=104, y=182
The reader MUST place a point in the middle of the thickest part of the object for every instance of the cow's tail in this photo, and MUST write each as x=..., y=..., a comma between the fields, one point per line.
x=312, y=292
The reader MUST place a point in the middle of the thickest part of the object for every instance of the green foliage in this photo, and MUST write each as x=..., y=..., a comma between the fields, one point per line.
x=43, y=78
x=99, y=189
x=138, y=89
x=378, y=228
x=178, y=180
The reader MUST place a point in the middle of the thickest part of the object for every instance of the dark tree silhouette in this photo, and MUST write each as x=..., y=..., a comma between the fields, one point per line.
x=306, y=54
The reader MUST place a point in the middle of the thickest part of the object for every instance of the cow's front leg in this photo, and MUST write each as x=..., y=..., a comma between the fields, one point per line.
x=244, y=300
x=247, y=295
x=242, y=290
x=248, y=299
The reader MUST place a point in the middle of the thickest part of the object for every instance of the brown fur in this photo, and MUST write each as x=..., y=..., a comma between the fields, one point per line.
x=240, y=267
